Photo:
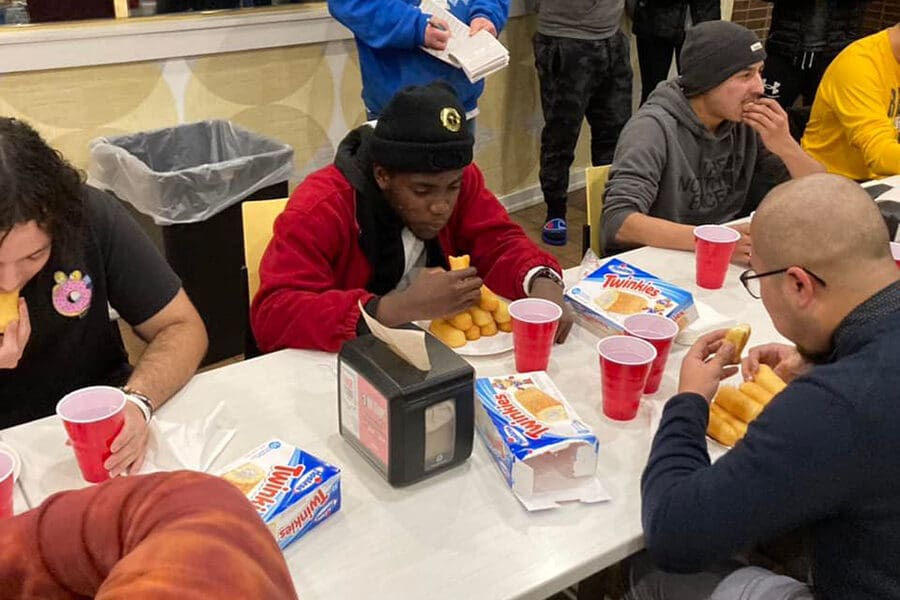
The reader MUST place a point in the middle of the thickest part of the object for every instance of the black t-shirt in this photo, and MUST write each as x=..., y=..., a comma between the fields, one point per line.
x=73, y=343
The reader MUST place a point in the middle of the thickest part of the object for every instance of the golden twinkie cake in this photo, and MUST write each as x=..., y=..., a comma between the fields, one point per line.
x=617, y=290
x=9, y=309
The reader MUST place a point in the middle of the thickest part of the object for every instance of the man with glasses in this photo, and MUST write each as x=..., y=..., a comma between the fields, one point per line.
x=823, y=456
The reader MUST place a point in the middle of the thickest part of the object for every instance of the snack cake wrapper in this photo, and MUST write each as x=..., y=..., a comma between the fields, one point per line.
x=617, y=290
x=291, y=490
x=542, y=448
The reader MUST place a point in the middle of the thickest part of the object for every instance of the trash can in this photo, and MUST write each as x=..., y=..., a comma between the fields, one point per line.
x=190, y=180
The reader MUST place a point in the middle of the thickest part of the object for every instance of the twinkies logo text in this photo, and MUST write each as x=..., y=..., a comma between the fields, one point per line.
x=305, y=516
x=630, y=283
x=278, y=481
x=533, y=428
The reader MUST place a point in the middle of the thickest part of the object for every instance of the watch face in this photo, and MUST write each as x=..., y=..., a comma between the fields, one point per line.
x=551, y=275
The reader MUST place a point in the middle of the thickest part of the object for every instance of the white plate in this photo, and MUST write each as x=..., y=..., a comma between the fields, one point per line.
x=716, y=449
x=484, y=346
x=17, y=467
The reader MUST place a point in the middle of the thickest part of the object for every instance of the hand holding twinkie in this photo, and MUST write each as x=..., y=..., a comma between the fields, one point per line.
x=434, y=293
x=784, y=360
x=16, y=332
x=484, y=319
x=706, y=364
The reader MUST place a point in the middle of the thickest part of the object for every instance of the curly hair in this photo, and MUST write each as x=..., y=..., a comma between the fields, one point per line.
x=38, y=184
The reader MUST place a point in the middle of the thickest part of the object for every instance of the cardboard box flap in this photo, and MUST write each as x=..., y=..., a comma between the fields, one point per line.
x=545, y=452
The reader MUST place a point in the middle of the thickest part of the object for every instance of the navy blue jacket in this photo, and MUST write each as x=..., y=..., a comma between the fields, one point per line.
x=824, y=455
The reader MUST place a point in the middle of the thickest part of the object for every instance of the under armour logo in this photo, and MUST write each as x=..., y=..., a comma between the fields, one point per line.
x=772, y=89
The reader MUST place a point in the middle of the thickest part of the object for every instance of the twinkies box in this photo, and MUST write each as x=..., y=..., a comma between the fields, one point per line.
x=544, y=451
x=617, y=290
x=292, y=490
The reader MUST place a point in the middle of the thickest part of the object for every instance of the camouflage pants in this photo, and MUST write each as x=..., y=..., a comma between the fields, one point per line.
x=579, y=79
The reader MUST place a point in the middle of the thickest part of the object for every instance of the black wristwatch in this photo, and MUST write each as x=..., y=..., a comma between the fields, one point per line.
x=548, y=273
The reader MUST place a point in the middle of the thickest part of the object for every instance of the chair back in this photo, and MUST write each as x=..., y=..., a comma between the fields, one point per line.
x=259, y=220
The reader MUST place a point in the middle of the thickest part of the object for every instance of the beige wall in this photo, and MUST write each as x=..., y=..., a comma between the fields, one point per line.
x=306, y=96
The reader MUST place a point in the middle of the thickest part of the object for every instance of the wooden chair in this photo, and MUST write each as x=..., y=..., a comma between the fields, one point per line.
x=595, y=182
x=259, y=220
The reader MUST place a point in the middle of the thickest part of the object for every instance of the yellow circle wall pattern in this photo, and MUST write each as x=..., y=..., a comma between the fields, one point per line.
x=351, y=88
x=260, y=76
x=299, y=117
x=509, y=121
x=312, y=148
x=75, y=145
x=84, y=97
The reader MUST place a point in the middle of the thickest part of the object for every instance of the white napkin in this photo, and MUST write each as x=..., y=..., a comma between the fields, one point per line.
x=710, y=320
x=193, y=445
x=49, y=465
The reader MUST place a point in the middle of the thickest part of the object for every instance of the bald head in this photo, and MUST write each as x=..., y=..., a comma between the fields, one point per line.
x=826, y=223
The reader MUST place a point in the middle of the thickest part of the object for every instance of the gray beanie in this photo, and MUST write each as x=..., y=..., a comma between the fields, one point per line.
x=713, y=51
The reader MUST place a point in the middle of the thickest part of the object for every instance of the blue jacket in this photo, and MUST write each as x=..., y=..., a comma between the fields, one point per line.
x=388, y=35
x=824, y=455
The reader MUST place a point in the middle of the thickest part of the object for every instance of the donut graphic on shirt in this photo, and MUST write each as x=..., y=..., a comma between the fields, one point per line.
x=72, y=293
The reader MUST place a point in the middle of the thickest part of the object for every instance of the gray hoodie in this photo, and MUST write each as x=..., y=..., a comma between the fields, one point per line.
x=580, y=19
x=669, y=165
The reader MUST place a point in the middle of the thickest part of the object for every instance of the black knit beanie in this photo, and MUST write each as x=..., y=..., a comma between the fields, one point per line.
x=422, y=129
x=713, y=51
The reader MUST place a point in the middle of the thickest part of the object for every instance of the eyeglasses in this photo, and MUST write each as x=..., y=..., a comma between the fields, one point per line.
x=750, y=279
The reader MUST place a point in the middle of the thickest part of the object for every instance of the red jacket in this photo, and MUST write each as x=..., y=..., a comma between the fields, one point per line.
x=314, y=272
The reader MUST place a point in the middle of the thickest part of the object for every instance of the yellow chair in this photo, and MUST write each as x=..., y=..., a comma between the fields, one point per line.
x=259, y=219
x=595, y=182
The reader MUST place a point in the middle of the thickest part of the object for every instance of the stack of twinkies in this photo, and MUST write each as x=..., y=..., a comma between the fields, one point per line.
x=734, y=408
x=490, y=316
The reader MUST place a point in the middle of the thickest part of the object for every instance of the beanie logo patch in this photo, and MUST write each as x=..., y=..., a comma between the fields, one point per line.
x=450, y=119
x=755, y=47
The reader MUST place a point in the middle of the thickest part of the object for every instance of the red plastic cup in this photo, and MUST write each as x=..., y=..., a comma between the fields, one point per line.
x=660, y=331
x=895, y=252
x=713, y=245
x=93, y=417
x=534, y=325
x=625, y=363
x=7, y=481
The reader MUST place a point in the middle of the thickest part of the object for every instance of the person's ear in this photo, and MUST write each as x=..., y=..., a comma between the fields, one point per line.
x=382, y=176
x=801, y=287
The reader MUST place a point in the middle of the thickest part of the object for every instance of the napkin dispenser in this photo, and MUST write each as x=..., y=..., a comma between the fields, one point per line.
x=408, y=423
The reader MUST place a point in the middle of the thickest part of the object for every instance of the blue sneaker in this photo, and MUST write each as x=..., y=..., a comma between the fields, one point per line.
x=555, y=232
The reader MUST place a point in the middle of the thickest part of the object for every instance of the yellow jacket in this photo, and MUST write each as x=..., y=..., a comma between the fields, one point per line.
x=854, y=128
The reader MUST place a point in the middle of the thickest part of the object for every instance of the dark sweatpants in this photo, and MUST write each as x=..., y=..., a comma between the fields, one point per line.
x=579, y=79
x=787, y=77
x=655, y=60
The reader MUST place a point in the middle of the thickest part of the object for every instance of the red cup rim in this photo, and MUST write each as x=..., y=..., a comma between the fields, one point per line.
x=69, y=396
x=556, y=309
x=12, y=466
x=637, y=340
x=704, y=230
x=659, y=318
